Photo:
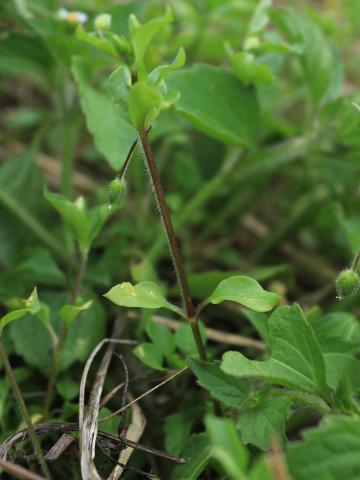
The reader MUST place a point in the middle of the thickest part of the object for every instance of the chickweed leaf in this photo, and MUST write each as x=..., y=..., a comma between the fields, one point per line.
x=113, y=134
x=161, y=336
x=141, y=295
x=246, y=291
x=68, y=313
x=232, y=116
x=317, y=58
x=149, y=354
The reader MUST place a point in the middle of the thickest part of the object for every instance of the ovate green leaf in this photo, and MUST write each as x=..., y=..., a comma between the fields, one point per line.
x=317, y=58
x=217, y=103
x=68, y=313
x=246, y=291
x=150, y=354
x=113, y=135
x=161, y=336
x=142, y=295
x=177, y=429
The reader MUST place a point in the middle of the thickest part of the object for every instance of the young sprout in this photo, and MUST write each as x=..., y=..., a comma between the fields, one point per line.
x=347, y=283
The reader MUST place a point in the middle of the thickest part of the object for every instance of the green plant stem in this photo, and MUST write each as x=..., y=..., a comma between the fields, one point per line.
x=24, y=412
x=62, y=339
x=173, y=244
x=33, y=224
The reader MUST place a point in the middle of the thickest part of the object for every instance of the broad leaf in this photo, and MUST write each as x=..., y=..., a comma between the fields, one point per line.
x=227, y=447
x=198, y=451
x=161, y=336
x=177, y=429
x=118, y=86
x=328, y=452
x=85, y=223
x=259, y=425
x=296, y=360
x=113, y=135
x=184, y=338
x=217, y=103
x=141, y=295
x=150, y=355
x=247, y=69
x=317, y=58
x=86, y=332
x=339, y=335
x=229, y=390
x=246, y=291
x=340, y=325
x=74, y=214
x=68, y=313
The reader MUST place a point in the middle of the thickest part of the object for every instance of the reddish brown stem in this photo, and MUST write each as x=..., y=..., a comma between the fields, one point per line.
x=173, y=244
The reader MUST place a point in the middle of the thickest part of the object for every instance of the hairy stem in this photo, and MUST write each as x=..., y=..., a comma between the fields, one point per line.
x=17, y=393
x=173, y=244
x=62, y=339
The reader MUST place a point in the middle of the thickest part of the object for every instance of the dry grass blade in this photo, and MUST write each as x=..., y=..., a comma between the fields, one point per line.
x=88, y=422
x=113, y=440
x=134, y=433
x=277, y=461
x=18, y=471
x=59, y=447
x=125, y=407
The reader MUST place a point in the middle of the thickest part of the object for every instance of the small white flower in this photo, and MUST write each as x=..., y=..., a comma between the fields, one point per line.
x=71, y=16
x=63, y=13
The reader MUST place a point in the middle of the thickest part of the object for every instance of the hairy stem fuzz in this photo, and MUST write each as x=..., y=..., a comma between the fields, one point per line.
x=173, y=243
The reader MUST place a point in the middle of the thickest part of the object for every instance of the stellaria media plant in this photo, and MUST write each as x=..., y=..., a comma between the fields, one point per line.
x=251, y=162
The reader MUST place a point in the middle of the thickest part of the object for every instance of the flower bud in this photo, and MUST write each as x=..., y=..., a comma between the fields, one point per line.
x=103, y=21
x=117, y=190
x=347, y=283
